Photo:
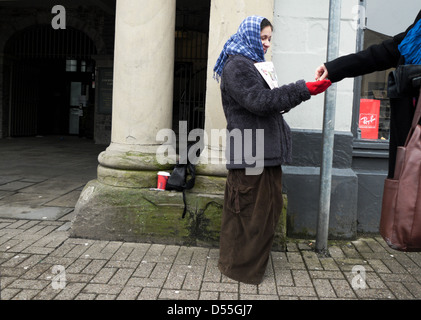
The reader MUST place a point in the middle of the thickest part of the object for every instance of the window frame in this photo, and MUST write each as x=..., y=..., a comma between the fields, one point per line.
x=364, y=147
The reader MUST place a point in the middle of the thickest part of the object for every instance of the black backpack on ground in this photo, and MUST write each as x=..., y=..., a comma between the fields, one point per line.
x=182, y=178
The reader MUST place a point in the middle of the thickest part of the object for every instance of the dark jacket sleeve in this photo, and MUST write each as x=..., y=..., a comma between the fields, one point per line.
x=245, y=85
x=375, y=58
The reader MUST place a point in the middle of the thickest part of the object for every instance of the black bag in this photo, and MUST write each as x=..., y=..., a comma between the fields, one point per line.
x=179, y=180
x=404, y=81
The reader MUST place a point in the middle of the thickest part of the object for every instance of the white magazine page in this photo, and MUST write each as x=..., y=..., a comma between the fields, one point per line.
x=267, y=70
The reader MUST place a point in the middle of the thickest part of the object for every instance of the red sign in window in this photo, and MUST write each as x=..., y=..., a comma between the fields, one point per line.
x=369, y=118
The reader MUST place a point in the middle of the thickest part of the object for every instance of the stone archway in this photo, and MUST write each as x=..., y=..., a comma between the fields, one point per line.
x=7, y=31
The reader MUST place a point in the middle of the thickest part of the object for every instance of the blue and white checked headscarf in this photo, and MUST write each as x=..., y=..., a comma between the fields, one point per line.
x=410, y=47
x=245, y=42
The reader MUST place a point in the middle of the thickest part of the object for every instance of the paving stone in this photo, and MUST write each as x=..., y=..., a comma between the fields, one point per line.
x=94, y=266
x=376, y=294
x=301, y=278
x=204, y=295
x=70, y=291
x=129, y=293
x=324, y=288
x=123, y=252
x=121, y=276
x=161, y=270
x=102, y=288
x=221, y=287
x=106, y=296
x=28, y=284
x=15, y=185
x=400, y=291
x=228, y=296
x=26, y=294
x=414, y=287
x=9, y=293
x=145, y=282
x=168, y=294
x=139, y=251
x=68, y=200
x=104, y=275
x=258, y=297
x=342, y=289
x=78, y=265
x=26, y=212
x=85, y=296
x=144, y=269
x=149, y=294
x=297, y=291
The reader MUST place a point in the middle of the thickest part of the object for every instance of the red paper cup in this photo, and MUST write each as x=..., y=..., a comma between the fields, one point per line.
x=162, y=180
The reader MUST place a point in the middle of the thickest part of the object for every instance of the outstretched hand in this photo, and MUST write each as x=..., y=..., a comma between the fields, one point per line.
x=321, y=73
x=318, y=87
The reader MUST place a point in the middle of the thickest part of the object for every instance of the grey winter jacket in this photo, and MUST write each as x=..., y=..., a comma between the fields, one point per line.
x=254, y=112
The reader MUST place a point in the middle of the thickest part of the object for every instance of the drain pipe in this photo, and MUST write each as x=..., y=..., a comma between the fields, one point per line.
x=328, y=132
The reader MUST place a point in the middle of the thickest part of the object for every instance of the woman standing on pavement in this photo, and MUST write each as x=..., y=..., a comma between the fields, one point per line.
x=253, y=202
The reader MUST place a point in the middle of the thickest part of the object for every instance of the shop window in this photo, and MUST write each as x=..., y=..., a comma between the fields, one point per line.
x=374, y=111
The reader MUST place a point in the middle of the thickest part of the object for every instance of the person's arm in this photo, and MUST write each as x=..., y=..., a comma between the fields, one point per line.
x=375, y=58
x=242, y=82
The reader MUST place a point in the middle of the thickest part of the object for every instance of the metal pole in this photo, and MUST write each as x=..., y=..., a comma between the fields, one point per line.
x=328, y=131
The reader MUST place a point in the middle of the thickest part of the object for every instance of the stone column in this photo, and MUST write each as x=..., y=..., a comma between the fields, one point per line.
x=142, y=90
x=119, y=204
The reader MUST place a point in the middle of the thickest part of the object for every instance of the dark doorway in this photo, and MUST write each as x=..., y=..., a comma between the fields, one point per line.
x=191, y=57
x=51, y=82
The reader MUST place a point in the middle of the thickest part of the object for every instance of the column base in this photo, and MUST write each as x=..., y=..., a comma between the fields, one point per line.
x=119, y=213
x=106, y=212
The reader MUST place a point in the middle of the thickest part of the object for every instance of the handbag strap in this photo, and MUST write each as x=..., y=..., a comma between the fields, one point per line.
x=417, y=115
x=416, y=120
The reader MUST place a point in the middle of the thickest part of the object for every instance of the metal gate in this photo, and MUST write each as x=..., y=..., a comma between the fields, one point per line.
x=190, y=77
x=25, y=50
x=24, y=100
x=42, y=41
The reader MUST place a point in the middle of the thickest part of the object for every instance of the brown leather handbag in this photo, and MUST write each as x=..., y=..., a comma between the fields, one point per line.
x=400, y=223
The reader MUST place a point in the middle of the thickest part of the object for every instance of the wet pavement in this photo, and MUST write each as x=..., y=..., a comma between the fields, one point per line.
x=40, y=182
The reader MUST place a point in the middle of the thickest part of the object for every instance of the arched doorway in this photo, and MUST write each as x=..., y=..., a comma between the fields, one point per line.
x=50, y=76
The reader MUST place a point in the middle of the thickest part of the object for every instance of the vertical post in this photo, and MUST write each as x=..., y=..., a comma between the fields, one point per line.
x=328, y=131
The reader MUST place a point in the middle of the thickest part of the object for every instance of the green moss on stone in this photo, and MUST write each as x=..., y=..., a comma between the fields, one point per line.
x=111, y=212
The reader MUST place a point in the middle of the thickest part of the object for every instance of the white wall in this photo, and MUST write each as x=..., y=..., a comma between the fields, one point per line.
x=300, y=46
x=391, y=17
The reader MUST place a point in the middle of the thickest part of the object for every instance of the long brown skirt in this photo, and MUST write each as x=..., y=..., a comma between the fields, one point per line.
x=252, y=207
